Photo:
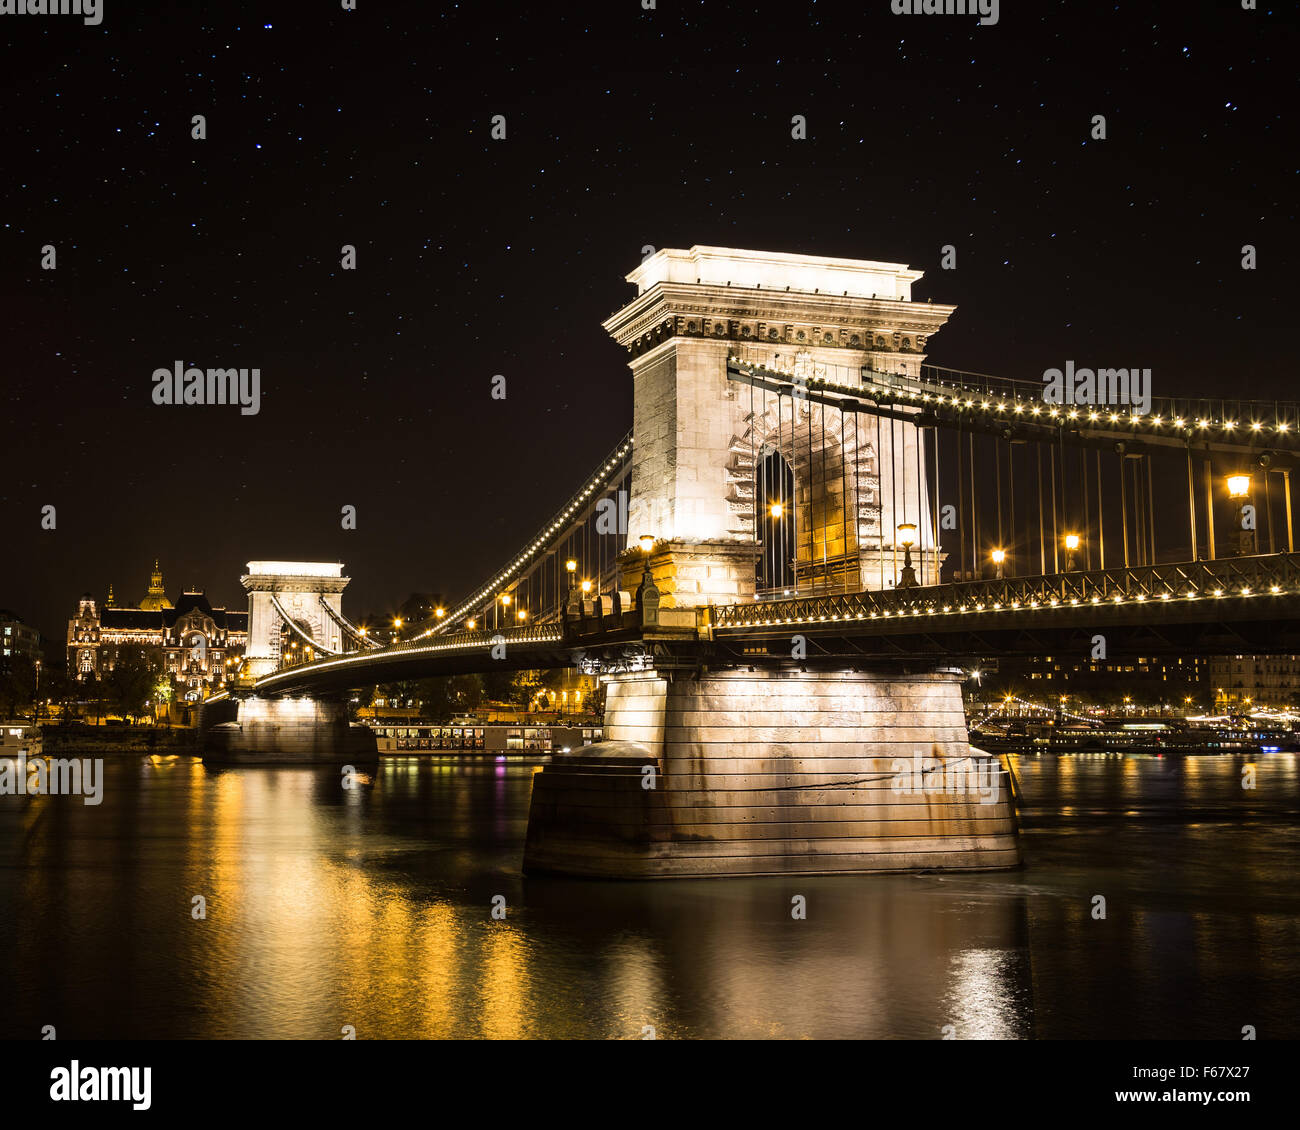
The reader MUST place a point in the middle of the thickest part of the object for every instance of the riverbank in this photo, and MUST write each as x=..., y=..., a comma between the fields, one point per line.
x=109, y=740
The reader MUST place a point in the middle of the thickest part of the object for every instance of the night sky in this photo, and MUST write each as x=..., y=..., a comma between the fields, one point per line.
x=477, y=257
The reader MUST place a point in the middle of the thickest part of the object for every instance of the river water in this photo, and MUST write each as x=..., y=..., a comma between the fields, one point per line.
x=372, y=907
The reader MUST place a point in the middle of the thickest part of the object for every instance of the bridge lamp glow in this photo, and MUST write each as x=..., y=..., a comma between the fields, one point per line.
x=397, y=621
x=907, y=539
x=646, y=542
x=440, y=612
x=470, y=624
x=1071, y=541
x=776, y=510
x=521, y=615
x=505, y=599
x=1238, y=486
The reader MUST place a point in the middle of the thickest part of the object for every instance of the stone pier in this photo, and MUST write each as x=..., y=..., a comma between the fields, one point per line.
x=289, y=731
x=774, y=772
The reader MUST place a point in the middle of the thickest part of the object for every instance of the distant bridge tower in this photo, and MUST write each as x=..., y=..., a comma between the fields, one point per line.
x=700, y=438
x=298, y=587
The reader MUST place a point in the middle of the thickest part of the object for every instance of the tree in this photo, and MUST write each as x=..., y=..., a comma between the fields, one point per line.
x=446, y=695
x=525, y=686
x=17, y=686
x=498, y=686
x=398, y=694
x=132, y=680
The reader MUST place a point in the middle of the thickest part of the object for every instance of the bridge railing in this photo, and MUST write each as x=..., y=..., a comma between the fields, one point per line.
x=1191, y=580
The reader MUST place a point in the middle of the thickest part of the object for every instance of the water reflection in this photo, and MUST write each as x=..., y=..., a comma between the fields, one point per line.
x=372, y=907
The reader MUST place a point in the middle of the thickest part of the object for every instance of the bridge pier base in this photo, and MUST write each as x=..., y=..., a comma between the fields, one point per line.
x=288, y=731
x=774, y=772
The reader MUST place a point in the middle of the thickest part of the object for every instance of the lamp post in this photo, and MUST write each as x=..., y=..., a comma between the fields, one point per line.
x=1071, y=544
x=647, y=544
x=907, y=539
x=999, y=556
x=1239, y=489
x=571, y=567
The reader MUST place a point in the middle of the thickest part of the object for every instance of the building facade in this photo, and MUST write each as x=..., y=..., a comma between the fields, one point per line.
x=196, y=644
x=17, y=639
x=1176, y=680
x=1255, y=680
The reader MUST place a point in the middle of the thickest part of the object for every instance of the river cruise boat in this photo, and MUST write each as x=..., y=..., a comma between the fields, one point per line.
x=1127, y=735
x=20, y=737
x=470, y=736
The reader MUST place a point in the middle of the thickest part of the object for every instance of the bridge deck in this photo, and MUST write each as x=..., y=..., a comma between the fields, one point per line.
x=1229, y=605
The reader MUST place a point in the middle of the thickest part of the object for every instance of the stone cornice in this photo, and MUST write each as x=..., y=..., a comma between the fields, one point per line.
x=305, y=585
x=672, y=310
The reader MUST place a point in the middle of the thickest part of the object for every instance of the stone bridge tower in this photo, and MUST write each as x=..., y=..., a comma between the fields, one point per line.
x=698, y=434
x=298, y=587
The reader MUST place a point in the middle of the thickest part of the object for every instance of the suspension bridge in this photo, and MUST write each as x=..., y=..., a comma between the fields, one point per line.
x=782, y=568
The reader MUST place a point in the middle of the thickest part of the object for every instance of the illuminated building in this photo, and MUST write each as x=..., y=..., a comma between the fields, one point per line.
x=17, y=639
x=192, y=640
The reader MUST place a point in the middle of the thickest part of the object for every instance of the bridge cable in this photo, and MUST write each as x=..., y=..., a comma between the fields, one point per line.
x=1268, y=510
x=1123, y=504
x=975, y=516
x=1101, y=521
x=1011, y=504
x=935, y=518
x=293, y=627
x=1151, y=508
x=1087, y=519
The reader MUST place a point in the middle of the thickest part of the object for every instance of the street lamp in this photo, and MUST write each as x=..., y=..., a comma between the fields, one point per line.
x=776, y=510
x=470, y=623
x=647, y=543
x=907, y=539
x=999, y=556
x=440, y=612
x=571, y=567
x=1239, y=488
x=586, y=587
x=1071, y=544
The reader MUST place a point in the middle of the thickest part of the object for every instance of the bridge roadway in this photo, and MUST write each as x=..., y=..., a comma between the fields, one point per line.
x=1247, y=605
